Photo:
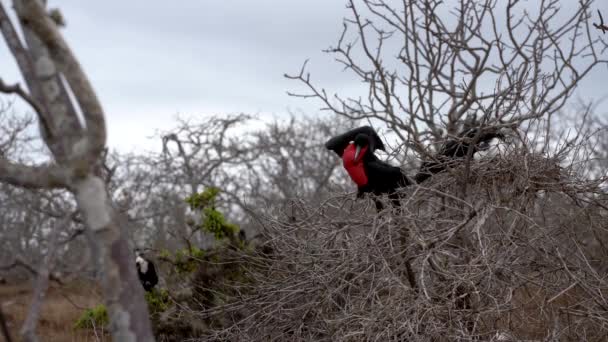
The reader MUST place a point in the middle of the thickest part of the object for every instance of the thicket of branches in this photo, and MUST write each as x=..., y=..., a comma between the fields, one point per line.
x=521, y=257
x=510, y=246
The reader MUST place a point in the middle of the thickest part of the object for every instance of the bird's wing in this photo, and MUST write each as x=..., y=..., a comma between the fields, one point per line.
x=454, y=149
x=339, y=143
x=457, y=148
x=386, y=175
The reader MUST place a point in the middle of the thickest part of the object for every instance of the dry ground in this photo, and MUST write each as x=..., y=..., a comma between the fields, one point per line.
x=62, y=307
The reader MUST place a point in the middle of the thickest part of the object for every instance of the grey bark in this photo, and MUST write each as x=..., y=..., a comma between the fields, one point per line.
x=46, y=62
x=28, y=330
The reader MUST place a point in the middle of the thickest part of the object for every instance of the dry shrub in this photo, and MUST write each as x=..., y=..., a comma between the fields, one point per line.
x=213, y=283
x=62, y=307
x=519, y=253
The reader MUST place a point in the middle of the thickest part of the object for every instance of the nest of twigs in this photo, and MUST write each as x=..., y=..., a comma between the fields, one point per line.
x=517, y=253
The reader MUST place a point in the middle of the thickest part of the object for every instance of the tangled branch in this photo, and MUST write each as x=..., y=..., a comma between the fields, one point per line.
x=486, y=266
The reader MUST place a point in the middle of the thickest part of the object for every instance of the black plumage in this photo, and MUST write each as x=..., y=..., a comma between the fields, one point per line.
x=456, y=149
x=383, y=178
x=339, y=143
x=146, y=272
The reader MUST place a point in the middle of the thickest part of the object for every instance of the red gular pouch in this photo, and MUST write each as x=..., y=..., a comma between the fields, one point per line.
x=355, y=168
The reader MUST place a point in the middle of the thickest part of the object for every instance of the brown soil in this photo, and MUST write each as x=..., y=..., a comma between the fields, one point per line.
x=62, y=307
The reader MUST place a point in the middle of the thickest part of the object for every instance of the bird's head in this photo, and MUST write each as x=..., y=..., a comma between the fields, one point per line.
x=340, y=142
x=362, y=144
x=142, y=264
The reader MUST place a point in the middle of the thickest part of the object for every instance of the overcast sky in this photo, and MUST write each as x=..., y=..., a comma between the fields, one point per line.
x=150, y=60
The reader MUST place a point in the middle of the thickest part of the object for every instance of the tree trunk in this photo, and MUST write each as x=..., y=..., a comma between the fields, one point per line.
x=51, y=70
x=121, y=288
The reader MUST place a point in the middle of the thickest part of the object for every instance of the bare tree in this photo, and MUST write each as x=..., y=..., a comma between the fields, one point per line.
x=199, y=155
x=257, y=170
x=521, y=255
x=293, y=165
x=295, y=161
x=51, y=72
x=427, y=65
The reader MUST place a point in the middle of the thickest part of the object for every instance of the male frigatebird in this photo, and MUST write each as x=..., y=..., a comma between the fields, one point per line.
x=356, y=148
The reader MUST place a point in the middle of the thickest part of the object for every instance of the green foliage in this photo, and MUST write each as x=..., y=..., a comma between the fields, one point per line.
x=183, y=260
x=196, y=252
x=95, y=317
x=164, y=254
x=203, y=199
x=213, y=221
x=192, y=252
x=158, y=301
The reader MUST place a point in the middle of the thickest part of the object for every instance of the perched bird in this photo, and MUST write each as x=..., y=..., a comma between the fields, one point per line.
x=339, y=143
x=457, y=149
x=356, y=147
x=146, y=272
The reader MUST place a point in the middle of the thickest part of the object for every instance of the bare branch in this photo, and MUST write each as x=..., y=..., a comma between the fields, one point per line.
x=34, y=177
x=601, y=25
x=427, y=65
x=16, y=89
x=20, y=262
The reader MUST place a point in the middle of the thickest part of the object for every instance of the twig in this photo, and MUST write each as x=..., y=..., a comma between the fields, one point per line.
x=16, y=89
x=601, y=25
x=20, y=262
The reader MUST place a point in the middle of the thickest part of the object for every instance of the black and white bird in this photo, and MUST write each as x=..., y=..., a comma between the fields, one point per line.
x=146, y=272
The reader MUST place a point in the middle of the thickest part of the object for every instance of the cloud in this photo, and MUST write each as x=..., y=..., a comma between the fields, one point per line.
x=149, y=60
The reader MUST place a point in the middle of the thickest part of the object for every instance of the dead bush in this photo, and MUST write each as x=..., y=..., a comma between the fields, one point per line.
x=518, y=253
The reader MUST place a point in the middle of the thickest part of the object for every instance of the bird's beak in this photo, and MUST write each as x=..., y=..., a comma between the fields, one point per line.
x=357, y=152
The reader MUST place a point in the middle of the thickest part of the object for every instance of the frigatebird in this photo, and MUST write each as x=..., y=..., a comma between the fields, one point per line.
x=356, y=148
x=146, y=272
x=456, y=149
x=339, y=143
